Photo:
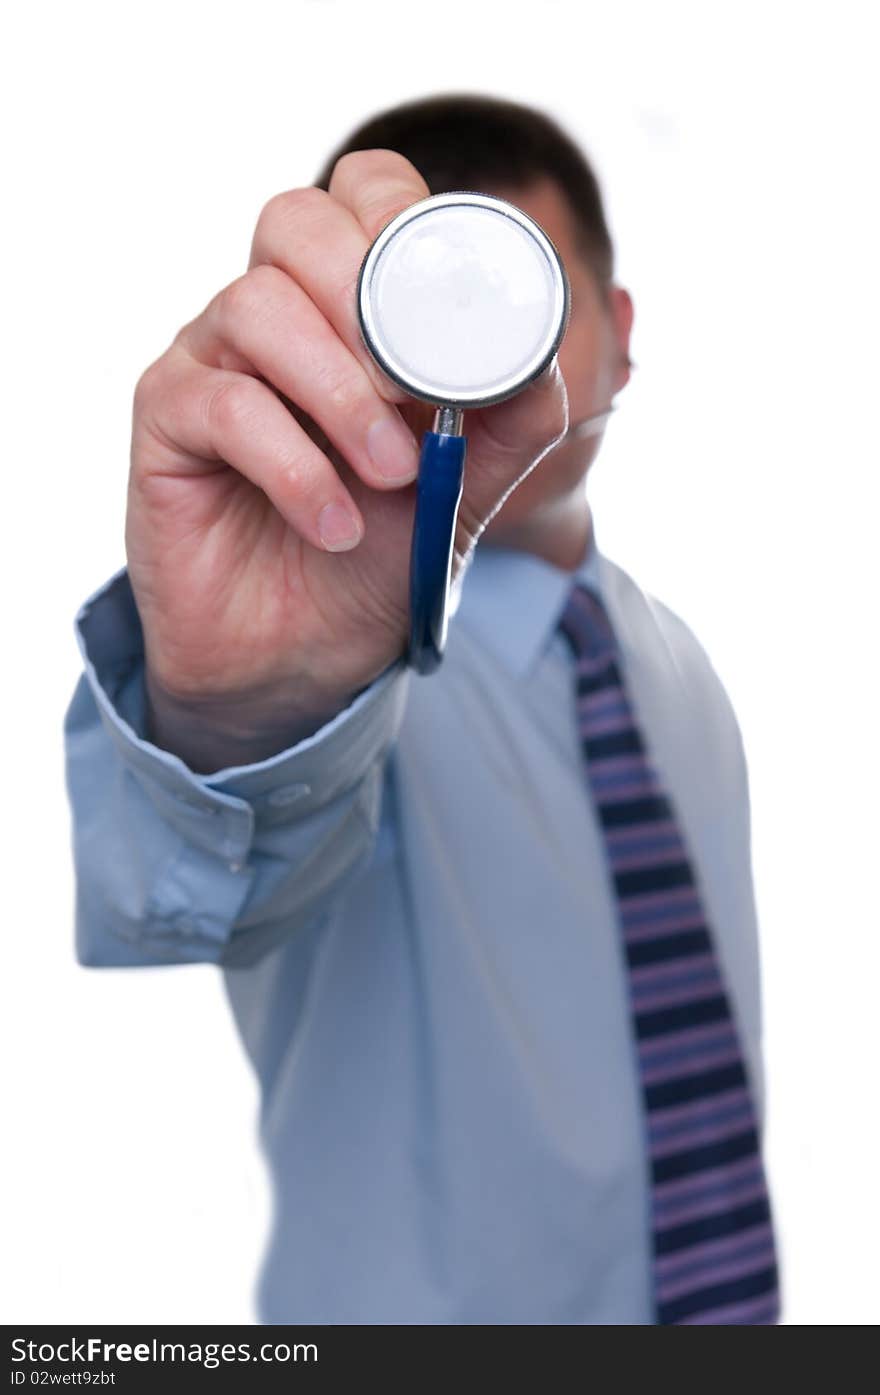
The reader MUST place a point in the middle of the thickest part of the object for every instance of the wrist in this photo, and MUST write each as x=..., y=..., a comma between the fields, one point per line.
x=210, y=731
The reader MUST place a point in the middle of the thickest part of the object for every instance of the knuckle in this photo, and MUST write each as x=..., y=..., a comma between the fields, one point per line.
x=344, y=397
x=342, y=393
x=246, y=297
x=272, y=213
x=353, y=163
x=305, y=204
x=230, y=405
x=302, y=474
x=290, y=209
x=146, y=388
x=264, y=279
x=235, y=300
x=159, y=386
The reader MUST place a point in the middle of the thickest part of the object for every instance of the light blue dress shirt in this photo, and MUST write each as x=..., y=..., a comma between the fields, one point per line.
x=420, y=946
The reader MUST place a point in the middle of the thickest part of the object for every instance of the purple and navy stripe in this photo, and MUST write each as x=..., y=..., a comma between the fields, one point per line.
x=713, y=1244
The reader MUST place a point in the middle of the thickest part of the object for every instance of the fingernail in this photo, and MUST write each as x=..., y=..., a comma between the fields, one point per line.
x=338, y=527
x=393, y=450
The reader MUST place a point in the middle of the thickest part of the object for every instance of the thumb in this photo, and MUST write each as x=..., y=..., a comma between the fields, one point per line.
x=506, y=442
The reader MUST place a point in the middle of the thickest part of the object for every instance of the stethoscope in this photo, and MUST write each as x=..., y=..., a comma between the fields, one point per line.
x=463, y=300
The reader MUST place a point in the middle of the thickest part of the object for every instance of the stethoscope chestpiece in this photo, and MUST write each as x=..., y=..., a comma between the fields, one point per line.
x=463, y=300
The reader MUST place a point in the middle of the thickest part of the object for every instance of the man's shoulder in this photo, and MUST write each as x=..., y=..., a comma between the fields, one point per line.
x=661, y=636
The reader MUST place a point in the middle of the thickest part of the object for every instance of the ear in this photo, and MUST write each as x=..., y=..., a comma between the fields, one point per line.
x=621, y=313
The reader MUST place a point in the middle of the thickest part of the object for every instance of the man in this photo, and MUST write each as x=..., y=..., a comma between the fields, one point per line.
x=489, y=935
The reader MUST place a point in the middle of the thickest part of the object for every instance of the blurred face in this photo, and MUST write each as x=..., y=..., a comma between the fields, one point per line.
x=594, y=358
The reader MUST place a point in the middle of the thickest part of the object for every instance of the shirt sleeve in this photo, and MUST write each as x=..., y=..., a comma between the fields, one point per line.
x=172, y=866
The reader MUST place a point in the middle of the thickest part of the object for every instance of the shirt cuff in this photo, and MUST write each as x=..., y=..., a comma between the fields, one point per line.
x=280, y=789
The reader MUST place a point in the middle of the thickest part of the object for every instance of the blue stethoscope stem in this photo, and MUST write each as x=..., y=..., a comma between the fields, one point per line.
x=438, y=494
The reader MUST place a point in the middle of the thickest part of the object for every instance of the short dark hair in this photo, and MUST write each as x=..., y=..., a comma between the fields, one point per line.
x=467, y=141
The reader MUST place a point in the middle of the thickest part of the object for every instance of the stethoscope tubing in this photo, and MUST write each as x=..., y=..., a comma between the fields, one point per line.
x=438, y=495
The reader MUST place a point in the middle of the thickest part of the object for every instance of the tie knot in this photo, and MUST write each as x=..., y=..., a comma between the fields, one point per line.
x=584, y=623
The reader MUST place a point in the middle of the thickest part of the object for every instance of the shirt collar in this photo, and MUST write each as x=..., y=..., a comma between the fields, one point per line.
x=511, y=601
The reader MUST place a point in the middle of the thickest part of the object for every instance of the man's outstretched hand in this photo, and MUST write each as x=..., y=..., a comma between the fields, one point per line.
x=271, y=494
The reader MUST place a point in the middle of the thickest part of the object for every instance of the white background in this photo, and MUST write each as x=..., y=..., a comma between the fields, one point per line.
x=737, y=149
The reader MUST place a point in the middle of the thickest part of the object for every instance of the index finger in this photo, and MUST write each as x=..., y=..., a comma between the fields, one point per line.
x=376, y=185
x=320, y=241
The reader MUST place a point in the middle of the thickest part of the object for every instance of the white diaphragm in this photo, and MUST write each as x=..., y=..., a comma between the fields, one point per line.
x=463, y=299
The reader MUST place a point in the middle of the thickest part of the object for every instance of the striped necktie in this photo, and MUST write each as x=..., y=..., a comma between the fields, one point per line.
x=712, y=1239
